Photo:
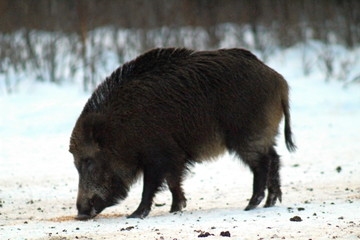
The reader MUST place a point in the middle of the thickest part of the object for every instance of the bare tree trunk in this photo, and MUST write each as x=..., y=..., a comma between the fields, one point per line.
x=32, y=55
x=82, y=31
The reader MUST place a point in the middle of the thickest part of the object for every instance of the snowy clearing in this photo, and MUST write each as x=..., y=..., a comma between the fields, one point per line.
x=320, y=181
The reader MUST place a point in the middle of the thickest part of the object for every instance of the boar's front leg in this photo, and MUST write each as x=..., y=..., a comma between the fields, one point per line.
x=174, y=180
x=153, y=179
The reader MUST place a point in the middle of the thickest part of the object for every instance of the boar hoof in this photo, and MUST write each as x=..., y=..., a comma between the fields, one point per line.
x=83, y=217
x=250, y=207
x=271, y=199
x=140, y=213
x=254, y=201
x=177, y=207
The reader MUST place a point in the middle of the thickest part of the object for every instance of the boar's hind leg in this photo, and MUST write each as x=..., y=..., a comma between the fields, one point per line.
x=265, y=167
x=259, y=165
x=274, y=191
x=174, y=182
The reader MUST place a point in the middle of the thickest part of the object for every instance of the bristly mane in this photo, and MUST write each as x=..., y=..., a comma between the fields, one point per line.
x=129, y=71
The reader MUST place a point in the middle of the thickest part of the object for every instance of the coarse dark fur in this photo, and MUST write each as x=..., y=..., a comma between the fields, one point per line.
x=173, y=107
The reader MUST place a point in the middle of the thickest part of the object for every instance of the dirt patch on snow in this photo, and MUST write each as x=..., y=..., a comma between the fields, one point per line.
x=72, y=218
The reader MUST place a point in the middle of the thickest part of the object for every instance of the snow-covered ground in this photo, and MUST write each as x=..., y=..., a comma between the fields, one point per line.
x=320, y=182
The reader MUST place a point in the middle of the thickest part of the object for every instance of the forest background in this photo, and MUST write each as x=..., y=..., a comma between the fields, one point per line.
x=65, y=41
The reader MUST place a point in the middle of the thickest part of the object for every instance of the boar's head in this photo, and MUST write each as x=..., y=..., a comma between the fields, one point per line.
x=100, y=183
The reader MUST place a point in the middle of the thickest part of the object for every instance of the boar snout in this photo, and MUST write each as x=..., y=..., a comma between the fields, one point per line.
x=89, y=208
x=85, y=209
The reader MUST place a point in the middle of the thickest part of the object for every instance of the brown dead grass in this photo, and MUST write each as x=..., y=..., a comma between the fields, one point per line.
x=62, y=219
x=72, y=218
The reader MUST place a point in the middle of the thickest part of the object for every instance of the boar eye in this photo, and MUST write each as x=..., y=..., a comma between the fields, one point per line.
x=86, y=161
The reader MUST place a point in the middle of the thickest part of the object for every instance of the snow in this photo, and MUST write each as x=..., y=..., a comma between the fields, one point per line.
x=320, y=181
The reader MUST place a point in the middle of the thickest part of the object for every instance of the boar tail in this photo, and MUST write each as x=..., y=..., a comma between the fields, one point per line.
x=288, y=134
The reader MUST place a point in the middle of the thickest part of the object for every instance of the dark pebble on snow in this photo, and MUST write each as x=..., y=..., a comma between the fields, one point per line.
x=225, y=234
x=296, y=219
x=205, y=234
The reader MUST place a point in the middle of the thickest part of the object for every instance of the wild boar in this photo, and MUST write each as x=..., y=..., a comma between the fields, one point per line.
x=170, y=108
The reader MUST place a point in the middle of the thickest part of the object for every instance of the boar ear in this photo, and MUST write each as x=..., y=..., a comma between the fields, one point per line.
x=71, y=148
x=94, y=129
